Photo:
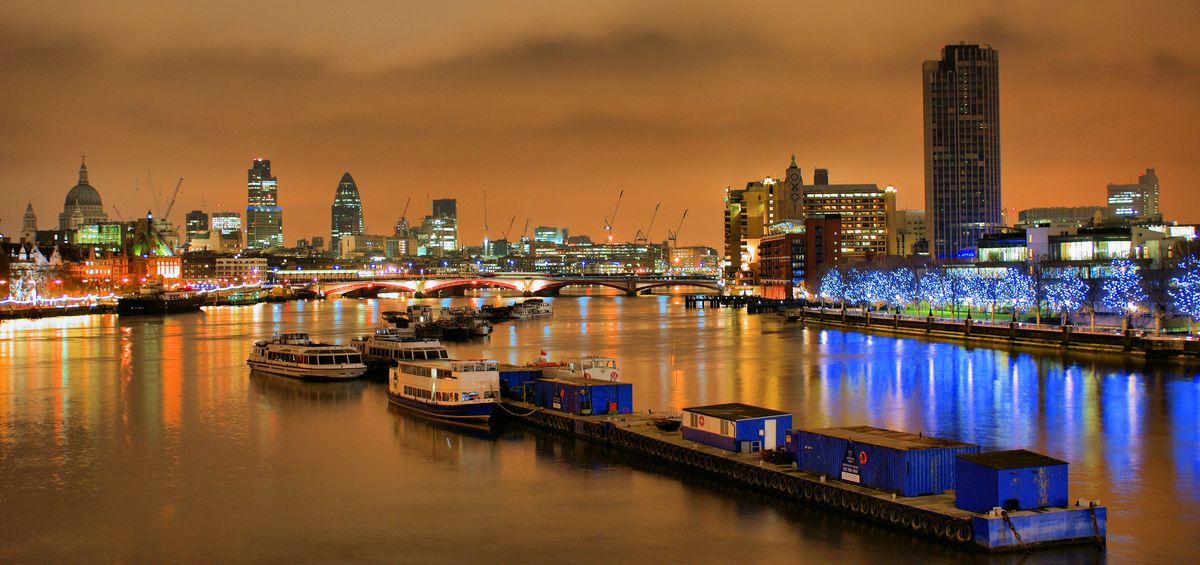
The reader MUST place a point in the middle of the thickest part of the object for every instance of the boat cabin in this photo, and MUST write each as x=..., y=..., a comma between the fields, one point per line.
x=592, y=368
x=736, y=427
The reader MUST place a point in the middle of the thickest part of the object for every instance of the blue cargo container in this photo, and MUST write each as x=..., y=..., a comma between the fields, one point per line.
x=514, y=381
x=900, y=462
x=584, y=397
x=1012, y=480
x=736, y=427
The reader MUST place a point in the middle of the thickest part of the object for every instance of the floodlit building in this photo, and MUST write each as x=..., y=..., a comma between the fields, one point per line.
x=82, y=204
x=1062, y=216
x=962, y=148
x=550, y=234
x=910, y=229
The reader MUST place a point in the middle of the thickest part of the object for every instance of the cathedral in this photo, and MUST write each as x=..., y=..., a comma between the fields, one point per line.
x=83, y=205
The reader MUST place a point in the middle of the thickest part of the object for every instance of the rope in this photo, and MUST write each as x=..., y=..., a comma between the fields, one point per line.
x=1095, y=525
x=1004, y=514
x=505, y=408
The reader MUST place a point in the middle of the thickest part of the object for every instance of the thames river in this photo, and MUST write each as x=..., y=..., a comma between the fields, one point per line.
x=147, y=439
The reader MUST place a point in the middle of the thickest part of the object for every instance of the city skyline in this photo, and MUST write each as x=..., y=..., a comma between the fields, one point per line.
x=669, y=141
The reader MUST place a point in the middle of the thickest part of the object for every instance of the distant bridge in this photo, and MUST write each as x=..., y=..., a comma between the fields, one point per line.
x=526, y=284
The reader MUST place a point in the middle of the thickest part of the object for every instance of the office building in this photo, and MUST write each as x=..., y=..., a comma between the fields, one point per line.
x=867, y=215
x=962, y=148
x=195, y=223
x=910, y=233
x=748, y=213
x=440, y=229
x=550, y=234
x=1062, y=216
x=795, y=255
x=264, y=216
x=1135, y=201
x=225, y=222
x=347, y=213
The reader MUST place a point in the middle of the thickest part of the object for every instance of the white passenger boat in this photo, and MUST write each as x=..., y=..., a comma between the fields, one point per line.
x=388, y=344
x=295, y=355
x=450, y=389
x=532, y=308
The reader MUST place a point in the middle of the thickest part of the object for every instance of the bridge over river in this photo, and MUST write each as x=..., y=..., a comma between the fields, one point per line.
x=332, y=282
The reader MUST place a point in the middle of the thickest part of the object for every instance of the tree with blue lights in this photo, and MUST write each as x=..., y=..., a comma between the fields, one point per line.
x=832, y=286
x=902, y=288
x=1185, y=289
x=932, y=286
x=1067, y=293
x=1123, y=290
x=988, y=290
x=1018, y=291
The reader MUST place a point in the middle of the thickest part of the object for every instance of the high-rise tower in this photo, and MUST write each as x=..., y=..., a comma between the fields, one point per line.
x=346, y=212
x=264, y=216
x=962, y=148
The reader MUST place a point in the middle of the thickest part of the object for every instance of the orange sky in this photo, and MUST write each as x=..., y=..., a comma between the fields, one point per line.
x=552, y=107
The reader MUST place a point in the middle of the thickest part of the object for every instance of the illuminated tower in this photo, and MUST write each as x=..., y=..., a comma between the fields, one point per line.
x=962, y=148
x=264, y=216
x=29, y=228
x=346, y=211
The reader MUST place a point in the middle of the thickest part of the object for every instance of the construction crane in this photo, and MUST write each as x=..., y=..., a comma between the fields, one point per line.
x=174, y=195
x=404, y=214
x=504, y=235
x=673, y=236
x=526, y=229
x=485, y=226
x=644, y=236
x=120, y=218
x=608, y=224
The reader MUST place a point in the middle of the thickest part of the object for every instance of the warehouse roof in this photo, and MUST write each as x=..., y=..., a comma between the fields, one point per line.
x=735, y=411
x=1012, y=459
x=871, y=435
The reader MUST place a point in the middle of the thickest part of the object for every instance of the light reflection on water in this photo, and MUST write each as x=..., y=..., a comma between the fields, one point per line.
x=148, y=438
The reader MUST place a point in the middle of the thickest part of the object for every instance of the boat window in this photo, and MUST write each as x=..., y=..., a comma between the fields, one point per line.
x=355, y=359
x=445, y=354
x=339, y=359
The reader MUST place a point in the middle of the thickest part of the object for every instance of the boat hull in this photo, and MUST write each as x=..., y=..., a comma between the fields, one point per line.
x=307, y=374
x=135, y=306
x=474, y=412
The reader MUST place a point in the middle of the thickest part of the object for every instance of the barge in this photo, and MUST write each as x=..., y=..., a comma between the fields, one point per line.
x=934, y=515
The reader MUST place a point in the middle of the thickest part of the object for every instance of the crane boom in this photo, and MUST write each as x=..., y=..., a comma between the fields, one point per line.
x=644, y=236
x=404, y=214
x=526, y=229
x=608, y=224
x=174, y=195
x=504, y=235
x=674, y=235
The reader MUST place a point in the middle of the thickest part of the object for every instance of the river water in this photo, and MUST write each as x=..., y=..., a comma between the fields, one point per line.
x=148, y=439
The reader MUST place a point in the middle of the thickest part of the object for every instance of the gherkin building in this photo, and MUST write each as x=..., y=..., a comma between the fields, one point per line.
x=347, y=212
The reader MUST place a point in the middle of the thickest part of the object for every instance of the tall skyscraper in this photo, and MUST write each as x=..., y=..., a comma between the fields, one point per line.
x=1135, y=201
x=962, y=148
x=264, y=216
x=347, y=211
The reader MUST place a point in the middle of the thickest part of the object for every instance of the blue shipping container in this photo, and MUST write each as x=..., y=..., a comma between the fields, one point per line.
x=575, y=396
x=900, y=462
x=735, y=427
x=513, y=380
x=1012, y=480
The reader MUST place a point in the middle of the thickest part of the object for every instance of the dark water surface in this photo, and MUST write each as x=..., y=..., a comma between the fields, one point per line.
x=149, y=440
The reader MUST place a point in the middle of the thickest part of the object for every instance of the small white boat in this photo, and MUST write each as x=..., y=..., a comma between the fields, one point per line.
x=532, y=308
x=295, y=355
x=592, y=367
x=449, y=389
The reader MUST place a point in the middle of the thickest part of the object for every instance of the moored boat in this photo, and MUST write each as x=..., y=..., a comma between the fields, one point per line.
x=460, y=390
x=154, y=299
x=532, y=308
x=295, y=355
x=387, y=344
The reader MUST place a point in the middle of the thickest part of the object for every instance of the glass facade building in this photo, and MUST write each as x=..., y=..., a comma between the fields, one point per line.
x=347, y=213
x=264, y=216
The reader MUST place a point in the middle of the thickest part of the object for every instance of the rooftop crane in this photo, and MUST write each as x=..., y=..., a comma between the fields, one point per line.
x=404, y=214
x=504, y=235
x=673, y=236
x=644, y=236
x=526, y=229
x=174, y=195
x=608, y=224
x=120, y=218
x=485, y=226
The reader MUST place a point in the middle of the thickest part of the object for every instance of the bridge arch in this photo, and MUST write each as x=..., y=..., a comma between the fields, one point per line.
x=511, y=284
x=346, y=287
